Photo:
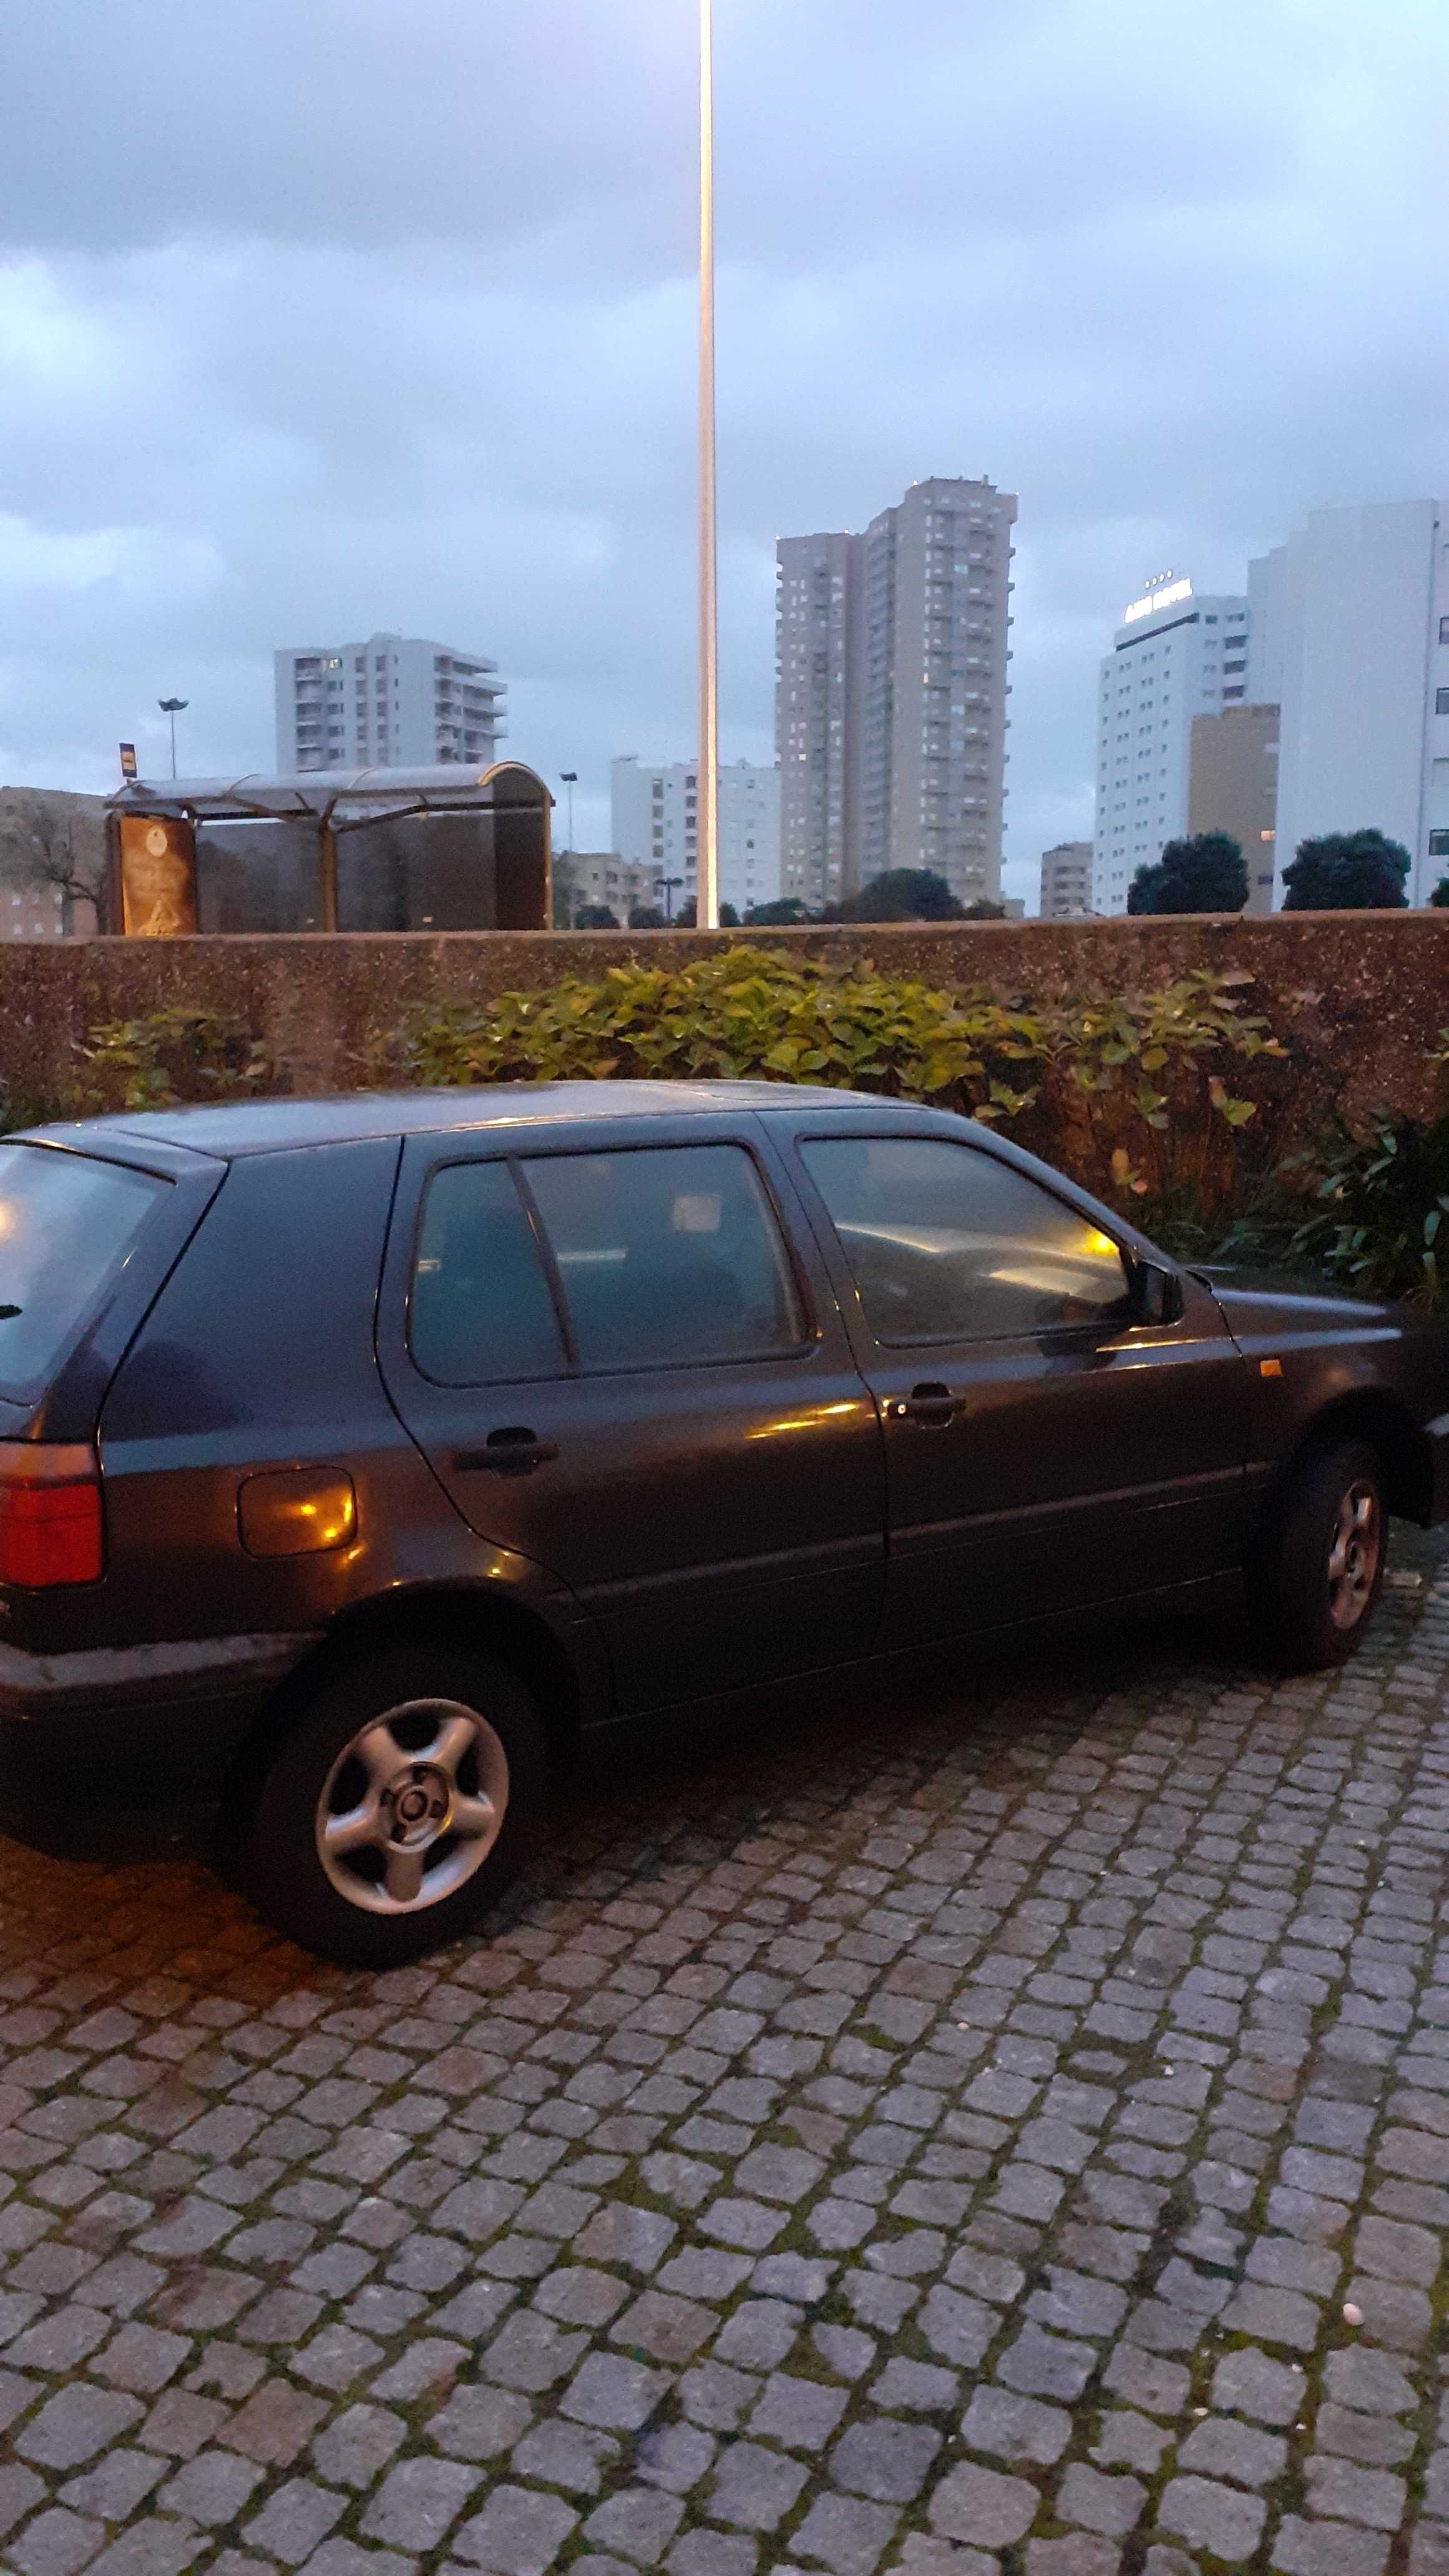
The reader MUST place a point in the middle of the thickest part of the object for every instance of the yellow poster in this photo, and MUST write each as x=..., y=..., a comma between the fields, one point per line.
x=158, y=877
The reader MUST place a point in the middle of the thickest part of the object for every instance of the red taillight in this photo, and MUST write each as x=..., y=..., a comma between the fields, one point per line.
x=50, y=1514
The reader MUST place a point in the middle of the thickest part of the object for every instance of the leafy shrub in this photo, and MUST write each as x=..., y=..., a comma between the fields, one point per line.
x=1380, y=1204
x=176, y=1054
x=1130, y=1094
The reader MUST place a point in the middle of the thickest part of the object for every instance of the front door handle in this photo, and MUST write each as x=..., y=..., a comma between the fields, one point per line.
x=931, y=1405
x=514, y=1451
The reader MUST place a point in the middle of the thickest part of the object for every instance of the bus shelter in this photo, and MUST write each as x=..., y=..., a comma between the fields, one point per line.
x=369, y=849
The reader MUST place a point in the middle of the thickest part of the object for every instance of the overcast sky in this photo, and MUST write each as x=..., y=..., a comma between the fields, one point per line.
x=325, y=316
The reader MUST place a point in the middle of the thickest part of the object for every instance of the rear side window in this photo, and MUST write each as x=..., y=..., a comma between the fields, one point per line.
x=66, y=1223
x=669, y=1255
x=481, y=1308
x=946, y=1244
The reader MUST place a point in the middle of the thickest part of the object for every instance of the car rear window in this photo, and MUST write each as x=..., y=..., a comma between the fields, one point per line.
x=66, y=1223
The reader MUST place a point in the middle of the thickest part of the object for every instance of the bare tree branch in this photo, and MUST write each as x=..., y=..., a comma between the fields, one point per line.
x=43, y=842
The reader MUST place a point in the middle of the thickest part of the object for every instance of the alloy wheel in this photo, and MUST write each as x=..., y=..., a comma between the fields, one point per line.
x=412, y=1806
x=1353, y=1557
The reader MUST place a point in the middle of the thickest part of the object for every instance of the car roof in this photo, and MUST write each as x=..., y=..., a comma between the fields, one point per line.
x=272, y=1126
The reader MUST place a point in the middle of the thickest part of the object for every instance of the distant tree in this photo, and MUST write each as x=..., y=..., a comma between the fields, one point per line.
x=1205, y=873
x=902, y=894
x=981, y=910
x=687, y=917
x=594, y=916
x=38, y=847
x=786, y=913
x=1347, y=872
x=729, y=919
x=1440, y=896
x=646, y=916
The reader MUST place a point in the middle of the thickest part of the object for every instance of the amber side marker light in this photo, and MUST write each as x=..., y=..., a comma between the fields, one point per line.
x=50, y=1514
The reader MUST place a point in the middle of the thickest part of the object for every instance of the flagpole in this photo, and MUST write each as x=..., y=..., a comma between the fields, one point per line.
x=707, y=871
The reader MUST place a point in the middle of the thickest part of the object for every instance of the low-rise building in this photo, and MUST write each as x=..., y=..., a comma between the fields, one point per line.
x=1233, y=788
x=1066, y=881
x=583, y=877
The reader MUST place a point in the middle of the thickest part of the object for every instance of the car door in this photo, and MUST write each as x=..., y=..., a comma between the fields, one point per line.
x=619, y=1365
x=1043, y=1452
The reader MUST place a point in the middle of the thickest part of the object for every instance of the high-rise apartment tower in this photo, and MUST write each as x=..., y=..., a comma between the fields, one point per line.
x=891, y=693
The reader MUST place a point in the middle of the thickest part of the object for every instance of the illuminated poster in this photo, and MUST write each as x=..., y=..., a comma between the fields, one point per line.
x=158, y=877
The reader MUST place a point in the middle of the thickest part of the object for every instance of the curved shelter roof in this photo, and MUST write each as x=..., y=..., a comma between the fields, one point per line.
x=339, y=796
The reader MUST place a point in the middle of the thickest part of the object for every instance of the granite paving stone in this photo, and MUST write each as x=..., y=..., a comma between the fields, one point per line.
x=994, y=2116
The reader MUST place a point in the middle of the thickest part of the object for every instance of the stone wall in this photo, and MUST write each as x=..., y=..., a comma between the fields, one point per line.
x=1361, y=995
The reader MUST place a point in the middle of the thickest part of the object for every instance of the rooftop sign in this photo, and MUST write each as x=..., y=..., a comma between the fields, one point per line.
x=1161, y=592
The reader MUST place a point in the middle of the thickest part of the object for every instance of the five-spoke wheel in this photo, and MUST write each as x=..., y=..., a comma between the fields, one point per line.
x=1317, y=1565
x=398, y=1804
x=412, y=1806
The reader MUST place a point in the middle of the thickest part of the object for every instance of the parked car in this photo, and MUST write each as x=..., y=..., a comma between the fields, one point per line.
x=356, y=1455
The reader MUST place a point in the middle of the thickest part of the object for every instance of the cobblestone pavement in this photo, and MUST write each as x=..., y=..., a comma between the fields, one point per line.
x=946, y=2130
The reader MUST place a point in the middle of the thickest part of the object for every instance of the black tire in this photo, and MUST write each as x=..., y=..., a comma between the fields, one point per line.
x=331, y=1905
x=1306, y=1618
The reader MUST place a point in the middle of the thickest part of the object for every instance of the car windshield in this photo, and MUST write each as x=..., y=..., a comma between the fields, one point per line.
x=66, y=1223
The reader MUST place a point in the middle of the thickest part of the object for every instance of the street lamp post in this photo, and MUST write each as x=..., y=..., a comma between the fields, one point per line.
x=173, y=707
x=707, y=874
x=570, y=778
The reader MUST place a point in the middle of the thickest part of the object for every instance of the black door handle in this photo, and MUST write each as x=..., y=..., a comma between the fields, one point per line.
x=515, y=1451
x=932, y=1406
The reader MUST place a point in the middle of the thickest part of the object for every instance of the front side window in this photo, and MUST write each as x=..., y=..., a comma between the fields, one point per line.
x=668, y=1255
x=946, y=1244
x=481, y=1308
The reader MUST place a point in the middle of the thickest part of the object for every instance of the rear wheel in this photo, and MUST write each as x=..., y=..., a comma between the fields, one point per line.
x=399, y=1806
x=1316, y=1573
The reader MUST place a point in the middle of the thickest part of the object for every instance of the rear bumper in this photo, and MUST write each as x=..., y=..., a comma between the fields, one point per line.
x=121, y=1749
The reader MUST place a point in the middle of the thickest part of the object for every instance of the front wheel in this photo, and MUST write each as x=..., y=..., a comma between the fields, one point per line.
x=399, y=1806
x=1315, y=1576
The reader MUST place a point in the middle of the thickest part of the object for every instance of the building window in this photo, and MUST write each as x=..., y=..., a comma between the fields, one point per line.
x=1439, y=845
x=1441, y=702
x=1444, y=630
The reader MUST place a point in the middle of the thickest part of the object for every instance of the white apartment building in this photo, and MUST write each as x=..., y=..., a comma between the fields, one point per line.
x=395, y=702
x=891, y=690
x=1175, y=656
x=1350, y=638
x=1066, y=881
x=654, y=814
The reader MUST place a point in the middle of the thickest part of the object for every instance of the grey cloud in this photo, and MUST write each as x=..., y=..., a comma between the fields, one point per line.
x=354, y=313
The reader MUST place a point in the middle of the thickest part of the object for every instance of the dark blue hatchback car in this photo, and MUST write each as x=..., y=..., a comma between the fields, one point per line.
x=356, y=1455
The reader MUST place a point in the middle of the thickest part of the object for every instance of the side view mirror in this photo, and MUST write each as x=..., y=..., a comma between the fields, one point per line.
x=1155, y=1295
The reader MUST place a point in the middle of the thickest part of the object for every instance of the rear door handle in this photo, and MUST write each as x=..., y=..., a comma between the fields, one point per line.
x=514, y=1451
x=930, y=1405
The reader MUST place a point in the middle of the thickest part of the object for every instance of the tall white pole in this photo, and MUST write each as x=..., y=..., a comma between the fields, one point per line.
x=707, y=872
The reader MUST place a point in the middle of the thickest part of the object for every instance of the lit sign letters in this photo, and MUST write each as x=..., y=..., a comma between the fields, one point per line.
x=1167, y=597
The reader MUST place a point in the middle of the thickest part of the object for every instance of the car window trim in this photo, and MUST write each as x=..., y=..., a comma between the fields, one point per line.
x=573, y=1371
x=544, y=1256
x=872, y=1135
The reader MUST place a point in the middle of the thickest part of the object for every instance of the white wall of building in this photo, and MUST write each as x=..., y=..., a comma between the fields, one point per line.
x=655, y=824
x=395, y=702
x=1175, y=656
x=1352, y=639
